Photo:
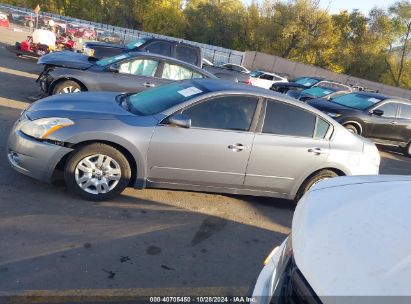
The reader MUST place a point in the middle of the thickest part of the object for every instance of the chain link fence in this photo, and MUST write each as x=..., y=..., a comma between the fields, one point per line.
x=119, y=34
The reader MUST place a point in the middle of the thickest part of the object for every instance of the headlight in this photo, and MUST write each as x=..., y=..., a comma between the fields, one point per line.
x=333, y=115
x=42, y=128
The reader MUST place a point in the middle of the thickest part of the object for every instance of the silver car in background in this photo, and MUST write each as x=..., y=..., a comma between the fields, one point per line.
x=203, y=135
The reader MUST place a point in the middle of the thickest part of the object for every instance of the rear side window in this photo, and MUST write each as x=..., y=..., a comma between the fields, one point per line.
x=159, y=47
x=283, y=119
x=227, y=112
x=321, y=128
x=267, y=77
x=187, y=54
x=176, y=72
x=405, y=111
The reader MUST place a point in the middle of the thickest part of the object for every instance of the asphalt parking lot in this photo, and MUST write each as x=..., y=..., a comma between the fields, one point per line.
x=144, y=242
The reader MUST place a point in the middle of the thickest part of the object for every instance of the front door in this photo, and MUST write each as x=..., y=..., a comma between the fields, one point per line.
x=384, y=127
x=213, y=152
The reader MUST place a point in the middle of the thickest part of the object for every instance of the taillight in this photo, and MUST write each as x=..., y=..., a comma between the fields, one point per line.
x=248, y=81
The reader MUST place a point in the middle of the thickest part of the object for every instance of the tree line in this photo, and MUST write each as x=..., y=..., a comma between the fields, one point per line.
x=374, y=46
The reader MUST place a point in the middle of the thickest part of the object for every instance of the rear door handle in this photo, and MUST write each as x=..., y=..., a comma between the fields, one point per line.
x=149, y=85
x=316, y=151
x=236, y=147
x=394, y=122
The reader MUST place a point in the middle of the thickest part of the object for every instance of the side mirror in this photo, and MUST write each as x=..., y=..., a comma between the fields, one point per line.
x=114, y=68
x=180, y=120
x=377, y=112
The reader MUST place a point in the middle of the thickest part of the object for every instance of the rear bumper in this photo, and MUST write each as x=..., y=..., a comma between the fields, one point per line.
x=32, y=157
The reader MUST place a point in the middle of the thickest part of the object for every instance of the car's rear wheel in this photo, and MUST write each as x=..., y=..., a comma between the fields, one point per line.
x=313, y=180
x=407, y=150
x=97, y=172
x=67, y=87
x=353, y=129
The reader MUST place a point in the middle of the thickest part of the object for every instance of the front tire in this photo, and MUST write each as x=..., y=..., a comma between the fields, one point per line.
x=67, y=87
x=97, y=172
x=312, y=181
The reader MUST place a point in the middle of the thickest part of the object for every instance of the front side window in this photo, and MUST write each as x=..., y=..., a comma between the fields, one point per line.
x=177, y=72
x=267, y=77
x=227, y=113
x=405, y=111
x=389, y=109
x=140, y=67
x=284, y=119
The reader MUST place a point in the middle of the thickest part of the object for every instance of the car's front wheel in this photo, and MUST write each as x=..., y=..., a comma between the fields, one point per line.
x=67, y=87
x=353, y=129
x=97, y=172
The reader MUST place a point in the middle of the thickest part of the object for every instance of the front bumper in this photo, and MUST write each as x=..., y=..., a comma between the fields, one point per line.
x=32, y=157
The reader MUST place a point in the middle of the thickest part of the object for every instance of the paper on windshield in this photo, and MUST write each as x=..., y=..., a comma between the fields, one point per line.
x=190, y=91
x=373, y=100
x=327, y=92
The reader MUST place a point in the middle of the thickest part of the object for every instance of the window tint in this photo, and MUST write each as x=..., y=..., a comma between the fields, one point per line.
x=187, y=54
x=228, y=112
x=176, y=72
x=267, y=77
x=285, y=119
x=140, y=67
x=390, y=109
x=405, y=111
x=159, y=47
x=321, y=128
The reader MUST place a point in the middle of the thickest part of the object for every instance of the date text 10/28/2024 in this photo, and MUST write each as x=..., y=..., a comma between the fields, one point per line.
x=202, y=300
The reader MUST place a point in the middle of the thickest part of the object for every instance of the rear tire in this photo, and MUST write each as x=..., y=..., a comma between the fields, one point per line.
x=312, y=181
x=97, y=172
x=67, y=87
x=407, y=150
x=353, y=129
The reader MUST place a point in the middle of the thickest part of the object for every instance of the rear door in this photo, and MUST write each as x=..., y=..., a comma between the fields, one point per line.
x=404, y=122
x=292, y=144
x=134, y=75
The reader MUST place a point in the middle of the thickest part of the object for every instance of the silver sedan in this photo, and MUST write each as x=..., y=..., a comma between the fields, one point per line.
x=202, y=135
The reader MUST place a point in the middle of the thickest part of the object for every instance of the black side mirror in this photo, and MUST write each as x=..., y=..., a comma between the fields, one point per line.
x=377, y=112
x=180, y=120
x=114, y=68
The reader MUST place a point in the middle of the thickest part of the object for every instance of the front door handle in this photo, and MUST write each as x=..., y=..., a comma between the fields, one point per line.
x=236, y=147
x=316, y=151
x=149, y=85
x=394, y=122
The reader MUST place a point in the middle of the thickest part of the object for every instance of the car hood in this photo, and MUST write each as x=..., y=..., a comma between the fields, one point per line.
x=67, y=59
x=325, y=105
x=351, y=236
x=96, y=105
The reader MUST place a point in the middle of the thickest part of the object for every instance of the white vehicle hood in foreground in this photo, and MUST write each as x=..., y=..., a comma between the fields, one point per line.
x=352, y=237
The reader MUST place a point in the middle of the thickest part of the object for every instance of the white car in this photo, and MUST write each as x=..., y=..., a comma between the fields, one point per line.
x=265, y=80
x=350, y=243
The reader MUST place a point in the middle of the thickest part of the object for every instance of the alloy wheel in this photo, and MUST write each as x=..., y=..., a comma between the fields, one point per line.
x=69, y=89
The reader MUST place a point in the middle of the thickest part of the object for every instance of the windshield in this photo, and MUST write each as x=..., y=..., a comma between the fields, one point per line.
x=318, y=91
x=256, y=73
x=156, y=100
x=136, y=44
x=356, y=101
x=306, y=81
x=110, y=60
